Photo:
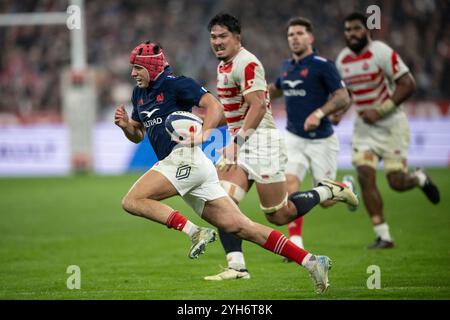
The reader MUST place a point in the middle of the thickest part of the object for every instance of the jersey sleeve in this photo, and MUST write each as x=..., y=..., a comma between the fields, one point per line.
x=331, y=78
x=188, y=93
x=338, y=63
x=277, y=83
x=390, y=61
x=250, y=76
x=279, y=79
x=134, y=113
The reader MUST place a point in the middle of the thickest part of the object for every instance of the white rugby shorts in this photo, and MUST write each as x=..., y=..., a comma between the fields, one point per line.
x=317, y=155
x=263, y=156
x=193, y=175
x=387, y=139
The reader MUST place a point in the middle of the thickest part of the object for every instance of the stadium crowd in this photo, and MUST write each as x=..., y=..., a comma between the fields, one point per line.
x=32, y=58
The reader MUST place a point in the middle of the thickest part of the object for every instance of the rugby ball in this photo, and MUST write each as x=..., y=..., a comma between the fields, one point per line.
x=182, y=125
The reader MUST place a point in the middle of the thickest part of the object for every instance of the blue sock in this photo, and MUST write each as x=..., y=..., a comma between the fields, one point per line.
x=230, y=242
x=304, y=201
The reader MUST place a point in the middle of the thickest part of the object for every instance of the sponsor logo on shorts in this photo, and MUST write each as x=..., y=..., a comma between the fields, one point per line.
x=183, y=172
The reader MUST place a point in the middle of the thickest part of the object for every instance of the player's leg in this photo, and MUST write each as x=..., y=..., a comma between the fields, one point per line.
x=267, y=170
x=225, y=214
x=374, y=205
x=143, y=199
x=371, y=195
x=296, y=168
x=401, y=180
x=323, y=161
x=295, y=227
x=323, y=156
x=293, y=183
x=234, y=181
x=369, y=143
x=280, y=209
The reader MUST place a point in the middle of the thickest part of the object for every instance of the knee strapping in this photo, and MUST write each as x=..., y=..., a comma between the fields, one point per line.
x=233, y=190
x=271, y=210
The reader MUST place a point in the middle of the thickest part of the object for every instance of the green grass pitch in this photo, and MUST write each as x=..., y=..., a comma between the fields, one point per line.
x=48, y=224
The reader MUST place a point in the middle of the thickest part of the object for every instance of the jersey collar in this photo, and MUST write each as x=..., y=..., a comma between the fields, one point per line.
x=304, y=59
x=159, y=81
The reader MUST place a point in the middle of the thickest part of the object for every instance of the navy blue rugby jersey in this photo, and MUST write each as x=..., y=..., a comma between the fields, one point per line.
x=152, y=105
x=307, y=85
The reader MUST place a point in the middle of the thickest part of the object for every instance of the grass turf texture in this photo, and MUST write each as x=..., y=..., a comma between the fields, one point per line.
x=48, y=224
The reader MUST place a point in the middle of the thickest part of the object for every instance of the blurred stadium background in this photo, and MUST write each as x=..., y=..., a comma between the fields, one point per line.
x=33, y=60
x=72, y=219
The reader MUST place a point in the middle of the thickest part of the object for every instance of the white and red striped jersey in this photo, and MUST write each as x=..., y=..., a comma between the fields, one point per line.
x=235, y=79
x=371, y=75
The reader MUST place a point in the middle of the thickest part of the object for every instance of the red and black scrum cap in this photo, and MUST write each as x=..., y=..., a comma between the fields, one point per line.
x=151, y=57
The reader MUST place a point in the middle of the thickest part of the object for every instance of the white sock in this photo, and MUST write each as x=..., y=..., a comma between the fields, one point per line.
x=190, y=228
x=308, y=261
x=382, y=231
x=297, y=240
x=420, y=175
x=236, y=260
x=324, y=193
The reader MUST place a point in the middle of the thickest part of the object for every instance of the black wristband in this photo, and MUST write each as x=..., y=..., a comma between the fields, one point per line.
x=239, y=140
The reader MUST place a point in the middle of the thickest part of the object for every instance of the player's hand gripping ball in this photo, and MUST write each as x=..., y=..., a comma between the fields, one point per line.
x=184, y=128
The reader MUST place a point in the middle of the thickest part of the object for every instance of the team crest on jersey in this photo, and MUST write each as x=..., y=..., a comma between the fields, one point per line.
x=160, y=98
x=225, y=79
x=304, y=72
x=365, y=66
x=226, y=68
x=140, y=102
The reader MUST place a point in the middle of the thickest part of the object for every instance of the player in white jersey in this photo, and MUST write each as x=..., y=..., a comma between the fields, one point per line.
x=379, y=82
x=183, y=169
x=257, y=152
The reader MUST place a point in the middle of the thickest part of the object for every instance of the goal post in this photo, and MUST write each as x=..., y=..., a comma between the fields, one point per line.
x=78, y=85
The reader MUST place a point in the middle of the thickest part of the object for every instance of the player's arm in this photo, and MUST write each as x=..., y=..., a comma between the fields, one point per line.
x=253, y=86
x=133, y=130
x=339, y=100
x=395, y=69
x=213, y=116
x=274, y=92
x=405, y=87
x=337, y=116
x=257, y=108
x=199, y=112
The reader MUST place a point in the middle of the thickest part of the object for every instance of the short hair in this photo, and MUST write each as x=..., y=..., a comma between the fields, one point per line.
x=300, y=21
x=357, y=16
x=226, y=20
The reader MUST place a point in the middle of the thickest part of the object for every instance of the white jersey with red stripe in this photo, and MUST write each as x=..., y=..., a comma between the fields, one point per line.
x=371, y=75
x=242, y=75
